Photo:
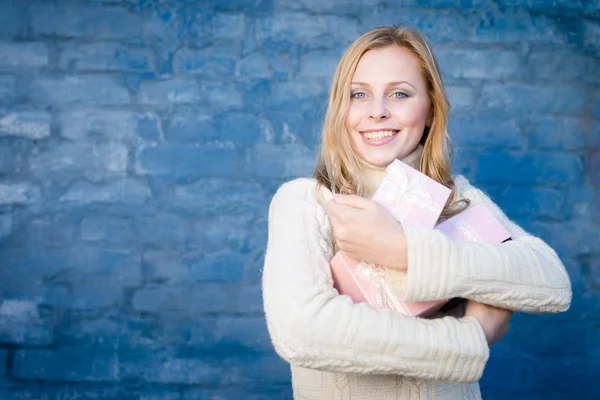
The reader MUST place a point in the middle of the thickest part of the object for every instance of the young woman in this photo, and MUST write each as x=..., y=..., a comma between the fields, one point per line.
x=387, y=102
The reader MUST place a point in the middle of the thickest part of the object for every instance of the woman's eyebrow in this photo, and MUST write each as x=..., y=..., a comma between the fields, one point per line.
x=394, y=83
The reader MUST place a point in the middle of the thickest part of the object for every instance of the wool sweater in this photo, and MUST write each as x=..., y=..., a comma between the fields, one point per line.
x=345, y=351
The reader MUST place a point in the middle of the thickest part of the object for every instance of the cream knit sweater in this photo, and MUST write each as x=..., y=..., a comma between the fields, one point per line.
x=339, y=350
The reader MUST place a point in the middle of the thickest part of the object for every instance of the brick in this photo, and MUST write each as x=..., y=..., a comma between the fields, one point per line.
x=562, y=133
x=124, y=191
x=534, y=168
x=27, y=124
x=283, y=29
x=54, y=230
x=591, y=35
x=74, y=364
x=288, y=161
x=251, y=370
x=77, y=90
x=104, y=57
x=30, y=390
x=480, y=64
x=551, y=65
x=107, y=229
x=240, y=129
x=279, y=392
x=188, y=162
x=161, y=229
x=223, y=231
x=594, y=169
x=440, y=26
x=581, y=204
x=318, y=64
x=23, y=54
x=485, y=132
x=243, y=333
x=214, y=62
x=85, y=264
x=80, y=21
x=11, y=18
x=167, y=266
x=461, y=98
x=6, y=226
x=112, y=124
x=21, y=324
x=3, y=361
x=86, y=294
x=95, y=162
x=190, y=299
x=583, y=237
x=106, y=331
x=521, y=99
x=219, y=197
x=330, y=7
x=529, y=201
x=189, y=126
x=8, y=85
x=19, y=193
x=10, y=159
x=255, y=65
x=295, y=95
x=250, y=299
x=222, y=266
x=295, y=126
x=197, y=332
x=161, y=366
x=220, y=25
x=516, y=28
x=189, y=91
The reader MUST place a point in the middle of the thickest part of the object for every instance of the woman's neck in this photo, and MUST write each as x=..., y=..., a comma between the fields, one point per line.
x=373, y=175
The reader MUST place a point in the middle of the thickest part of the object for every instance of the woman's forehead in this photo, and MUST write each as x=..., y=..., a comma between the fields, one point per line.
x=389, y=64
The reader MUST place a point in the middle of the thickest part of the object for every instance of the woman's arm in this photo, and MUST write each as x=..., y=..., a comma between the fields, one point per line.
x=523, y=274
x=312, y=326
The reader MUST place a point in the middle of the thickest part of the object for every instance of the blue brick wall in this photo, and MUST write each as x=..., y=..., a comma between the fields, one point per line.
x=141, y=141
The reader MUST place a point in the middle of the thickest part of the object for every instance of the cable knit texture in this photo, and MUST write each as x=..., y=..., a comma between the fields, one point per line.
x=341, y=350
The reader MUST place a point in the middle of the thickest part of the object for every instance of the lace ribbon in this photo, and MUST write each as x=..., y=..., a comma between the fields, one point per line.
x=400, y=193
x=383, y=292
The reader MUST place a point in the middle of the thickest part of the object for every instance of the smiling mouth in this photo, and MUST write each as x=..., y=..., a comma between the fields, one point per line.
x=378, y=135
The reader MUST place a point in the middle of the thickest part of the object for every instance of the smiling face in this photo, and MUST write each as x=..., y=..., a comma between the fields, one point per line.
x=389, y=105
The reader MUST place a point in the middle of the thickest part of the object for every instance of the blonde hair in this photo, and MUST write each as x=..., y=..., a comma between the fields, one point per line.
x=339, y=167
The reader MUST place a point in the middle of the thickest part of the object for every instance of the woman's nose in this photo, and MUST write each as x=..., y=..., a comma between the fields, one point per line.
x=379, y=110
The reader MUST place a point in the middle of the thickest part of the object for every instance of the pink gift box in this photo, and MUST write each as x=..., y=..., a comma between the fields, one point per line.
x=378, y=286
x=410, y=196
x=382, y=287
x=475, y=224
x=415, y=200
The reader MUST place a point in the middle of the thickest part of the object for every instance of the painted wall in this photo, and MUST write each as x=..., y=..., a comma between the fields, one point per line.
x=141, y=142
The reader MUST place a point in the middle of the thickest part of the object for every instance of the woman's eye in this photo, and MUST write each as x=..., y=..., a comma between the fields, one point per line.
x=358, y=95
x=400, y=95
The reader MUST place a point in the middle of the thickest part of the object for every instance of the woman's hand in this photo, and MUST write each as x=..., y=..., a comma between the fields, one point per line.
x=495, y=321
x=366, y=231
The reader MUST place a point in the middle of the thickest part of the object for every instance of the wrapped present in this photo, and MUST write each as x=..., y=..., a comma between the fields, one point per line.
x=378, y=286
x=412, y=198
x=476, y=224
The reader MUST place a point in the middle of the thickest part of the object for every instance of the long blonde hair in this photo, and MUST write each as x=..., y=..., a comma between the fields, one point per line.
x=338, y=167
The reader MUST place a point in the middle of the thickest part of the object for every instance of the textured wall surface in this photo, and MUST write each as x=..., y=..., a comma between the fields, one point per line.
x=141, y=141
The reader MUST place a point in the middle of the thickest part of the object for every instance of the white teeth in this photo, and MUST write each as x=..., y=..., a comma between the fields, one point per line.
x=378, y=135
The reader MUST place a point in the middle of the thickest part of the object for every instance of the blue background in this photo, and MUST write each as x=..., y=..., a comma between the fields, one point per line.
x=141, y=142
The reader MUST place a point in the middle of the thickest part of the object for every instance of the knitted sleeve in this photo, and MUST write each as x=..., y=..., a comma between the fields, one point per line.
x=312, y=326
x=523, y=274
